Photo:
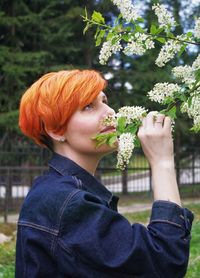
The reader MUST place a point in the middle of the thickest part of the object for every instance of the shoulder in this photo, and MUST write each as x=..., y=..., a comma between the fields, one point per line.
x=46, y=199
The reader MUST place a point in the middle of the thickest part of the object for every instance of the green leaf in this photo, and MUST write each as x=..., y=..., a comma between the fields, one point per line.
x=121, y=124
x=112, y=140
x=153, y=29
x=183, y=47
x=181, y=96
x=170, y=35
x=132, y=128
x=114, y=40
x=86, y=28
x=86, y=14
x=139, y=29
x=159, y=30
x=189, y=101
x=189, y=34
x=171, y=113
x=197, y=75
x=126, y=37
x=140, y=19
x=97, y=32
x=99, y=37
x=97, y=17
x=160, y=39
x=195, y=129
x=137, y=143
x=110, y=36
x=98, y=41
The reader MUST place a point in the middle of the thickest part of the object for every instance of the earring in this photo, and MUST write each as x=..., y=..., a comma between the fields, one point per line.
x=62, y=139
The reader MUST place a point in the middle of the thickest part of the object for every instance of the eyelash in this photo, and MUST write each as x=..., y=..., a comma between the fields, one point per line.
x=91, y=105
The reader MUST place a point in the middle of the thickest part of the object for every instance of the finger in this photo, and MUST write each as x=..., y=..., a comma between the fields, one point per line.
x=143, y=123
x=159, y=121
x=167, y=123
x=150, y=118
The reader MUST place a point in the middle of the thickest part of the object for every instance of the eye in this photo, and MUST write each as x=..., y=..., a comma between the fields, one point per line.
x=105, y=100
x=88, y=107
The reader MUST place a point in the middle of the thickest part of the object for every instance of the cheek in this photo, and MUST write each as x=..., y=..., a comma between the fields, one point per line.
x=82, y=130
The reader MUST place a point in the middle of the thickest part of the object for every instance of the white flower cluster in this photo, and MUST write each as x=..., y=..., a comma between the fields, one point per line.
x=125, y=149
x=131, y=113
x=169, y=50
x=193, y=110
x=107, y=50
x=187, y=73
x=184, y=73
x=127, y=9
x=196, y=63
x=161, y=91
x=197, y=28
x=165, y=18
x=110, y=120
x=139, y=44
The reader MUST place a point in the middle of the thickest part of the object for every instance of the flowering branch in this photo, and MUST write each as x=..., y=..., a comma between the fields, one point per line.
x=136, y=41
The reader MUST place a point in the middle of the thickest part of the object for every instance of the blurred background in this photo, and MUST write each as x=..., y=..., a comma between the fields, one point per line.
x=39, y=36
x=42, y=36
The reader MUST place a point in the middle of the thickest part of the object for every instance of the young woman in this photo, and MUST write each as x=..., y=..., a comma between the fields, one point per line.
x=69, y=225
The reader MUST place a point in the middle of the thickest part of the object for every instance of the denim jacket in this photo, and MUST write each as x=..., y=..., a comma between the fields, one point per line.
x=69, y=226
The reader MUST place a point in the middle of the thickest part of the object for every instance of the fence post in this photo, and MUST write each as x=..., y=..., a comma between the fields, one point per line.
x=193, y=167
x=124, y=181
x=7, y=195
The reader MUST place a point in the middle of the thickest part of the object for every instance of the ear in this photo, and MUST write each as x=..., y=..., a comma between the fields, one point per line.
x=56, y=137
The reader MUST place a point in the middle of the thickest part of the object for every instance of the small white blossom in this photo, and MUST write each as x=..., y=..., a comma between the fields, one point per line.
x=197, y=28
x=131, y=113
x=185, y=74
x=196, y=122
x=139, y=44
x=196, y=63
x=165, y=18
x=134, y=48
x=125, y=149
x=161, y=91
x=193, y=110
x=110, y=120
x=169, y=50
x=107, y=50
x=127, y=9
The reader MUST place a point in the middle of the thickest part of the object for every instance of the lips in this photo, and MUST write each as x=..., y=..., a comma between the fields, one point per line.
x=108, y=129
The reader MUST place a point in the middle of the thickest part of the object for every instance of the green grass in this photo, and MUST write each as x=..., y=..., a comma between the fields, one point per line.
x=7, y=250
x=187, y=192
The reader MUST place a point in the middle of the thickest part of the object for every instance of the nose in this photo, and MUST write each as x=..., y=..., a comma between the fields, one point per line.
x=110, y=111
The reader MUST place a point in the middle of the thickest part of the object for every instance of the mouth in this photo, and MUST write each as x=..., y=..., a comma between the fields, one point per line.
x=108, y=129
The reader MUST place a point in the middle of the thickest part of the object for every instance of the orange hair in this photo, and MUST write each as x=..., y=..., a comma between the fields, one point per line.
x=49, y=103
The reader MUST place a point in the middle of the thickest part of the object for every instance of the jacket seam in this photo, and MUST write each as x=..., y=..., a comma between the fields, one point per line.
x=166, y=221
x=65, y=203
x=38, y=227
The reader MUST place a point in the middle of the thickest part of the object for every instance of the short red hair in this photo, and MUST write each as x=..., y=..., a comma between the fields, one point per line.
x=49, y=103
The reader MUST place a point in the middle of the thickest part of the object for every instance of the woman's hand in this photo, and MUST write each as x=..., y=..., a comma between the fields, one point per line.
x=156, y=139
x=157, y=144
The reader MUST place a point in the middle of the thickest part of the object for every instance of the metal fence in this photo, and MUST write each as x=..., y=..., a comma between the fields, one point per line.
x=15, y=181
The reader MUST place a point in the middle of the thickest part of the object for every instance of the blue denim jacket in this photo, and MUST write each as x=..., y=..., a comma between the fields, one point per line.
x=69, y=227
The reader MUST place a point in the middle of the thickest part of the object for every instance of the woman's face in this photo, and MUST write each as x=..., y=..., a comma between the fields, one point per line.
x=86, y=123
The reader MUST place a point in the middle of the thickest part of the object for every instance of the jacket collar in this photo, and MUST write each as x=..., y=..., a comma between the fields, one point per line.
x=66, y=166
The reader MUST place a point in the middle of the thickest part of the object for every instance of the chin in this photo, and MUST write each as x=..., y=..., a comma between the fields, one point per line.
x=105, y=149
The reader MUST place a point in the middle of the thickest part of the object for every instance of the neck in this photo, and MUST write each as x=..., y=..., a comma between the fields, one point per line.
x=86, y=161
